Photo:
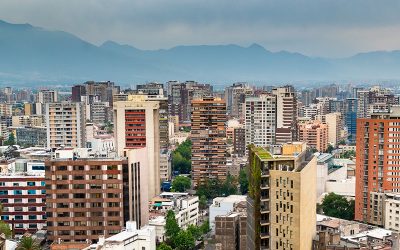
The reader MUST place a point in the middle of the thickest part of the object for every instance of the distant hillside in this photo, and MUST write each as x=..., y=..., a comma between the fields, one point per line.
x=34, y=55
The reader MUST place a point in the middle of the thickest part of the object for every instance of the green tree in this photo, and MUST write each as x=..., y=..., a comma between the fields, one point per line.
x=28, y=243
x=229, y=187
x=181, y=157
x=184, y=240
x=5, y=229
x=164, y=246
x=181, y=183
x=11, y=140
x=342, y=142
x=171, y=225
x=205, y=227
x=203, y=202
x=243, y=181
x=338, y=206
x=195, y=231
x=330, y=148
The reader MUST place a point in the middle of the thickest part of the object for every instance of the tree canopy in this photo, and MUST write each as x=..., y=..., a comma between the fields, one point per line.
x=243, y=181
x=214, y=188
x=28, y=243
x=338, y=206
x=181, y=183
x=181, y=157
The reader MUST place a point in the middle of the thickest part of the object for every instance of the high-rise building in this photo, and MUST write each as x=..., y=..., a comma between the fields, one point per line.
x=315, y=134
x=286, y=114
x=84, y=198
x=378, y=162
x=47, y=96
x=239, y=141
x=260, y=120
x=351, y=118
x=281, y=211
x=363, y=101
x=334, y=122
x=235, y=97
x=208, y=139
x=104, y=90
x=77, y=92
x=136, y=125
x=65, y=122
x=182, y=95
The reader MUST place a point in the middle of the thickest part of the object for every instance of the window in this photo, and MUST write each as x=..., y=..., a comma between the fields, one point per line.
x=32, y=217
x=2, y=184
x=5, y=217
x=19, y=217
x=2, y=192
x=31, y=200
x=31, y=183
x=37, y=167
x=17, y=192
x=31, y=191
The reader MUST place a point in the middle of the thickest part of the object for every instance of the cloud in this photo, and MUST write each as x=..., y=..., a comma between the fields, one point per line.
x=314, y=27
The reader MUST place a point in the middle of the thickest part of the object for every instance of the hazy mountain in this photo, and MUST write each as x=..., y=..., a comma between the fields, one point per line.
x=34, y=55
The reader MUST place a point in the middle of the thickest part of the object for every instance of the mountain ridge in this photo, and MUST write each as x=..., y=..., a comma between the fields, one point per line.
x=35, y=55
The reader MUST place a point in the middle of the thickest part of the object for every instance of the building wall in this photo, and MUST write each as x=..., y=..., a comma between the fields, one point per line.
x=23, y=200
x=129, y=116
x=84, y=198
x=65, y=124
x=208, y=140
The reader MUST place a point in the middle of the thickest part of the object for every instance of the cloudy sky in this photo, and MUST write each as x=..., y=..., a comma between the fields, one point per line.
x=333, y=28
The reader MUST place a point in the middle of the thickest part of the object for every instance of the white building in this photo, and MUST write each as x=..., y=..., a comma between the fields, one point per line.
x=185, y=206
x=392, y=211
x=260, y=120
x=130, y=239
x=223, y=206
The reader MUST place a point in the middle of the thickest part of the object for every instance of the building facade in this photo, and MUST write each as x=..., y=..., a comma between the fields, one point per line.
x=65, y=122
x=136, y=125
x=281, y=209
x=315, y=134
x=378, y=162
x=208, y=139
x=84, y=198
x=260, y=120
x=286, y=114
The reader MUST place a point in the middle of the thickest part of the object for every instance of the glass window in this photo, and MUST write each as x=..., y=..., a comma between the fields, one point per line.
x=19, y=217
x=31, y=183
x=31, y=191
x=17, y=192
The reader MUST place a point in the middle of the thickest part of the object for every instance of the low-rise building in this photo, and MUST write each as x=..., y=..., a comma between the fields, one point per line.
x=129, y=239
x=185, y=206
x=223, y=206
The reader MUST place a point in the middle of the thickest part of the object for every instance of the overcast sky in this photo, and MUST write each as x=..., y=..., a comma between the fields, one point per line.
x=332, y=28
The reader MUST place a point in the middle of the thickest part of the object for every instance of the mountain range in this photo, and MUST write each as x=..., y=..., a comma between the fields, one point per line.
x=33, y=55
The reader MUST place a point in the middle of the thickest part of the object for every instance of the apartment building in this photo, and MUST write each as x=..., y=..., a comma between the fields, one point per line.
x=22, y=196
x=260, y=120
x=281, y=205
x=208, y=139
x=315, y=134
x=65, y=122
x=378, y=161
x=84, y=198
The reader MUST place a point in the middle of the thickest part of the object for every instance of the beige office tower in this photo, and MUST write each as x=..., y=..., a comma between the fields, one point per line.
x=65, y=122
x=135, y=192
x=281, y=205
x=136, y=125
x=286, y=114
x=334, y=122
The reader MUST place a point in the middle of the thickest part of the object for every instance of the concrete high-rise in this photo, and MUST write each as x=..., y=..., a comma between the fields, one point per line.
x=286, y=114
x=46, y=96
x=334, y=122
x=235, y=97
x=208, y=140
x=315, y=134
x=65, y=122
x=260, y=120
x=281, y=205
x=136, y=125
x=182, y=95
x=378, y=161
